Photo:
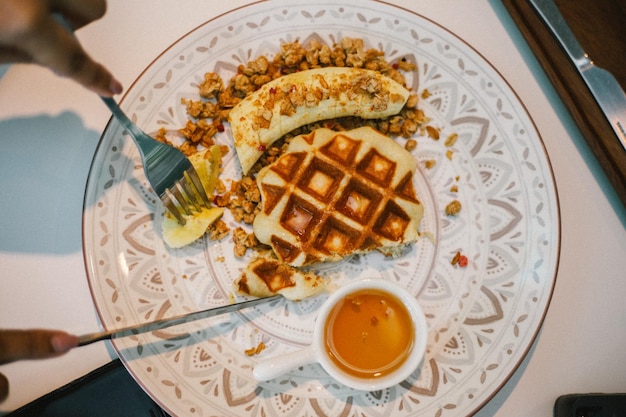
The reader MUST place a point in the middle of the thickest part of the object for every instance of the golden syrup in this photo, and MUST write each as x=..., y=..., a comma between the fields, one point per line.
x=369, y=333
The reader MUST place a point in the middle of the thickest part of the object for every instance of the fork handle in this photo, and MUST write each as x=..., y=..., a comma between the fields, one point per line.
x=131, y=127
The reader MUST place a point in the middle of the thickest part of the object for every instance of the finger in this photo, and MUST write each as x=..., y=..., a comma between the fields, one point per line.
x=34, y=344
x=14, y=55
x=79, y=12
x=4, y=388
x=51, y=45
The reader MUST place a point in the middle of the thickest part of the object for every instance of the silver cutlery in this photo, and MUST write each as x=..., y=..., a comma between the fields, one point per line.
x=603, y=86
x=172, y=321
x=169, y=172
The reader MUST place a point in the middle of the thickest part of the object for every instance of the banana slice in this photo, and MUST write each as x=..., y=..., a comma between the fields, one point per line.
x=304, y=97
x=177, y=236
x=207, y=165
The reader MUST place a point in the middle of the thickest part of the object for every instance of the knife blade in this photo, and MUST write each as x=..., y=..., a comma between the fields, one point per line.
x=171, y=321
x=603, y=86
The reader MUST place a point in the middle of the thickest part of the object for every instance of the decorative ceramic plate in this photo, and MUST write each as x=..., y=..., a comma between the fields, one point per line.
x=482, y=317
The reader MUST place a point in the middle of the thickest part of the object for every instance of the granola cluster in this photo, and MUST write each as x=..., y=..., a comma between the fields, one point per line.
x=242, y=199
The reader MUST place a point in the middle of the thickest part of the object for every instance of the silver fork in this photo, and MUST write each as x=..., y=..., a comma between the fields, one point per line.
x=168, y=170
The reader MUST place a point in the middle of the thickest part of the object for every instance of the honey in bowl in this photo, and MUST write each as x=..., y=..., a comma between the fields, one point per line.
x=369, y=333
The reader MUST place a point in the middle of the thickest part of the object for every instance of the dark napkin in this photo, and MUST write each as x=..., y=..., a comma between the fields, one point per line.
x=105, y=392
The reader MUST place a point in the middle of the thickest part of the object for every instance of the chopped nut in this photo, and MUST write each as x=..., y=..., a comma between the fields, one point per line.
x=405, y=65
x=410, y=145
x=412, y=101
x=455, y=259
x=432, y=132
x=409, y=127
x=430, y=163
x=460, y=260
x=451, y=140
x=218, y=230
x=255, y=350
x=258, y=66
x=453, y=208
x=243, y=241
x=211, y=86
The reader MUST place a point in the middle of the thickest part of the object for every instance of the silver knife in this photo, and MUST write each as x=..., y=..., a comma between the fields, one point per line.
x=172, y=321
x=603, y=86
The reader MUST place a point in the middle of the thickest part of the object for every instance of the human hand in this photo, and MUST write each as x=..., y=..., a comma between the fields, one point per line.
x=31, y=344
x=29, y=33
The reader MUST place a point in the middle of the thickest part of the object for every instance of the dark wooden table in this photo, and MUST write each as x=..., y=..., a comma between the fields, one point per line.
x=600, y=27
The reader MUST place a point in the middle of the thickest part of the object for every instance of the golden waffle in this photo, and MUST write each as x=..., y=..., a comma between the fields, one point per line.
x=332, y=194
x=266, y=276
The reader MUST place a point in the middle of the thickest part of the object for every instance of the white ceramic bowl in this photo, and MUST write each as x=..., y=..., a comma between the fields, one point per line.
x=316, y=352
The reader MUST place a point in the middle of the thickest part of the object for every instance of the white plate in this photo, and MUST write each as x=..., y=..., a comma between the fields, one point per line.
x=482, y=318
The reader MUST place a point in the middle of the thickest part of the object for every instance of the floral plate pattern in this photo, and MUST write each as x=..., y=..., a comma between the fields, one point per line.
x=482, y=318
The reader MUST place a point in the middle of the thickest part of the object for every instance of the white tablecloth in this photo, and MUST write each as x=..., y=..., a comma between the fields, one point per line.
x=49, y=128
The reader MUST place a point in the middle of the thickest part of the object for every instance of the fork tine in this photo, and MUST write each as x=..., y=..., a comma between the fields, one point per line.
x=168, y=201
x=177, y=192
x=167, y=169
x=189, y=193
x=195, y=180
x=186, y=195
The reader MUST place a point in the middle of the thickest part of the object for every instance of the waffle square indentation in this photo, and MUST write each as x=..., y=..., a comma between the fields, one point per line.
x=275, y=275
x=392, y=222
x=342, y=149
x=377, y=168
x=321, y=180
x=288, y=164
x=300, y=217
x=337, y=237
x=285, y=250
x=358, y=201
x=272, y=195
